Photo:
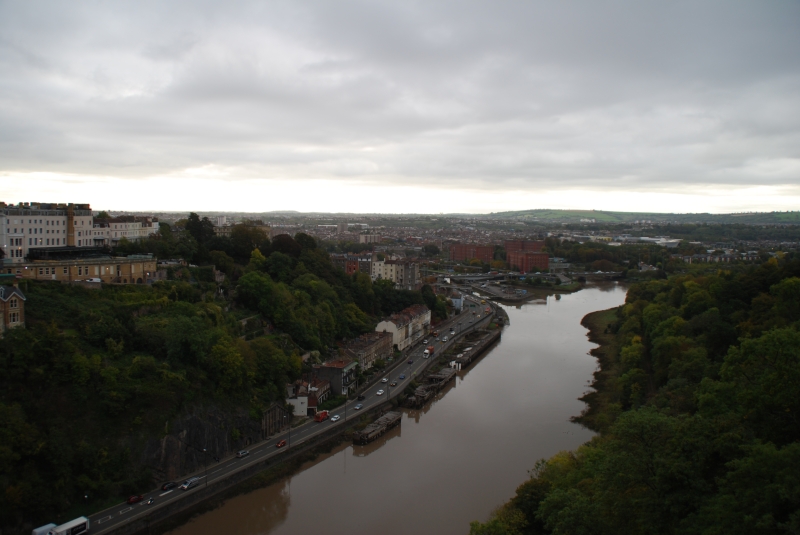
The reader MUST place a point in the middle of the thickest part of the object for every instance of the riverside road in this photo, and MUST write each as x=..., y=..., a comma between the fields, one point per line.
x=464, y=323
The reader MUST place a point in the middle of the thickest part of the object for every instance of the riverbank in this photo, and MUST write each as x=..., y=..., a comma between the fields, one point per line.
x=600, y=410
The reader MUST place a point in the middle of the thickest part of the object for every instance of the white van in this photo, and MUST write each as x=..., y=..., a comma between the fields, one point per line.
x=189, y=483
x=73, y=527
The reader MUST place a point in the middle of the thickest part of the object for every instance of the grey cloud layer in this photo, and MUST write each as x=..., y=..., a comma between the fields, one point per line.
x=495, y=94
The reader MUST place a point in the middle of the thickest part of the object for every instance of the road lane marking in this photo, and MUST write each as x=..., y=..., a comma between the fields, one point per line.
x=126, y=510
x=104, y=519
x=166, y=493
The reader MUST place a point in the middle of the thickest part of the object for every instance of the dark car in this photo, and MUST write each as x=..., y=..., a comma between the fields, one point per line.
x=410, y=361
x=402, y=376
x=393, y=383
x=136, y=498
x=169, y=485
x=358, y=407
x=362, y=397
x=280, y=444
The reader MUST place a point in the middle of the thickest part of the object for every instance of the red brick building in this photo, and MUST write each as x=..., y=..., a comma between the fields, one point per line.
x=461, y=251
x=526, y=261
x=530, y=246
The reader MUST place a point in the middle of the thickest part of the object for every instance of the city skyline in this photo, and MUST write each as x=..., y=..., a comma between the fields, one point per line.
x=413, y=108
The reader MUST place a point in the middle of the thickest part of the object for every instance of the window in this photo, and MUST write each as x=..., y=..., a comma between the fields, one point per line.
x=65, y=271
x=41, y=271
x=14, y=317
x=14, y=303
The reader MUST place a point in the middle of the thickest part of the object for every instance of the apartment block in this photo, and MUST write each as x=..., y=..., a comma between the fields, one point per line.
x=31, y=225
x=404, y=274
x=530, y=246
x=369, y=238
x=462, y=251
x=525, y=261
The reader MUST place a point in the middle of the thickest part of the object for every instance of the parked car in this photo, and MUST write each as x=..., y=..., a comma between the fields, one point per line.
x=335, y=418
x=280, y=444
x=359, y=407
x=136, y=498
x=169, y=485
x=242, y=453
x=385, y=380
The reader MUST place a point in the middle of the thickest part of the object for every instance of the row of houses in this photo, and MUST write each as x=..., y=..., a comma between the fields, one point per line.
x=27, y=227
x=338, y=376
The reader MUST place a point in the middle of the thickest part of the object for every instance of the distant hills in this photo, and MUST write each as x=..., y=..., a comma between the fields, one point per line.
x=532, y=216
x=575, y=216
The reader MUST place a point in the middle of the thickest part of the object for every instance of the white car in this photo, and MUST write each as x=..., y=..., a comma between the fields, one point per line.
x=425, y=341
x=444, y=339
x=335, y=418
x=379, y=393
x=385, y=380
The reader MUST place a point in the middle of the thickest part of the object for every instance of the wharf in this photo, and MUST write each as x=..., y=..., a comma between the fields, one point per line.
x=388, y=421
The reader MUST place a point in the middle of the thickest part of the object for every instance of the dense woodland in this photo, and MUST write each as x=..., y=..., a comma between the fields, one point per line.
x=96, y=373
x=698, y=414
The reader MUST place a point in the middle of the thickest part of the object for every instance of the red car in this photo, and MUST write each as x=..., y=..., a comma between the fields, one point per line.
x=280, y=444
x=136, y=498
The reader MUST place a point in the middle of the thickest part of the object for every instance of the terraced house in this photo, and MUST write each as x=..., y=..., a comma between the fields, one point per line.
x=407, y=326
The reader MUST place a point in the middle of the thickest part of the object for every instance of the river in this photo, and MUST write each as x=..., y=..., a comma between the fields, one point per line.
x=458, y=458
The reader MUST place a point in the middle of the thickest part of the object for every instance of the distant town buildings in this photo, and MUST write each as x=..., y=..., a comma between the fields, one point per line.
x=517, y=246
x=460, y=252
x=109, y=231
x=369, y=238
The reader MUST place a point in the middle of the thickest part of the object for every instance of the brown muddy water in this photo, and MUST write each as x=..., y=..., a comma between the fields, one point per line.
x=458, y=458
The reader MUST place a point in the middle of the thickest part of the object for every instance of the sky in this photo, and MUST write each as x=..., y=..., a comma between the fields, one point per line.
x=401, y=107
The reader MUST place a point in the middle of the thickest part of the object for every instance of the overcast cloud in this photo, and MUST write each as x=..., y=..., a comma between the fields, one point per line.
x=500, y=100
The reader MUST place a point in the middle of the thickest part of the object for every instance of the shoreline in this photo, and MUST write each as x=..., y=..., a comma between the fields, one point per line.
x=599, y=413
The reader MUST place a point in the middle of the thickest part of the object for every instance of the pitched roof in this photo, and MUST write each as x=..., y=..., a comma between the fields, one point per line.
x=7, y=291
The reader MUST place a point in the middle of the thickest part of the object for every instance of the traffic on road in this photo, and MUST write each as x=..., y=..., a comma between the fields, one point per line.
x=391, y=385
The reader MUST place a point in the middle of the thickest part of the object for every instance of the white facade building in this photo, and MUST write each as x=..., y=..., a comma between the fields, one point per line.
x=28, y=226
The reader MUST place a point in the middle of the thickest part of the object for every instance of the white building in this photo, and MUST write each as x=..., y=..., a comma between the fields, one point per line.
x=111, y=231
x=404, y=275
x=408, y=326
x=34, y=225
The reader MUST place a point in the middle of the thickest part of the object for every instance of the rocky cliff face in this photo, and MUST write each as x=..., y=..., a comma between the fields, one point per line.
x=219, y=432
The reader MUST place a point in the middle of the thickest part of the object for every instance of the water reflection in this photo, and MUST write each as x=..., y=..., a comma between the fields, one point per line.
x=478, y=438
